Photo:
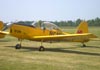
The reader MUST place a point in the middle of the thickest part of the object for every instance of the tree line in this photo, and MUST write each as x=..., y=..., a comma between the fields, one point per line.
x=91, y=22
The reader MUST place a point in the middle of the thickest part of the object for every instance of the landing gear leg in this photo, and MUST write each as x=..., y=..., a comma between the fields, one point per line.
x=41, y=48
x=84, y=45
x=18, y=46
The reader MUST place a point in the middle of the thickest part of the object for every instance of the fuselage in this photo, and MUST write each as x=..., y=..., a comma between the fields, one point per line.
x=28, y=32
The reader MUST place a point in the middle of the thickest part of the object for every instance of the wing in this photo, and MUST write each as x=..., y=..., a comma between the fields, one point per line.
x=97, y=39
x=3, y=33
x=60, y=37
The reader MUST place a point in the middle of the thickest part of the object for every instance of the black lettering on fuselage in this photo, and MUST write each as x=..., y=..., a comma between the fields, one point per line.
x=17, y=31
x=53, y=33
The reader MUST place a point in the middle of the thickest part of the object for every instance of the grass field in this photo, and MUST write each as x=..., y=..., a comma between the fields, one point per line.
x=58, y=56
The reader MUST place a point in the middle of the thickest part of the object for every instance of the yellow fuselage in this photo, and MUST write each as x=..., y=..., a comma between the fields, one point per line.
x=26, y=32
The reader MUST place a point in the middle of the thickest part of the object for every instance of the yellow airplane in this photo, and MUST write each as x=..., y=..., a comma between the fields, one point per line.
x=47, y=31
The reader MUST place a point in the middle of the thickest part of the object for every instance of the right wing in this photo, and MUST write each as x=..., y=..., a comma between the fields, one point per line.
x=59, y=37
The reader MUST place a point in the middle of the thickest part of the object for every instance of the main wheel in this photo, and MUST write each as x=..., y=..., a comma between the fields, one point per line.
x=84, y=45
x=41, y=48
x=18, y=46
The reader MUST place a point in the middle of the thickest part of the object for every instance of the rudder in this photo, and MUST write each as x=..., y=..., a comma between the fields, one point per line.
x=82, y=28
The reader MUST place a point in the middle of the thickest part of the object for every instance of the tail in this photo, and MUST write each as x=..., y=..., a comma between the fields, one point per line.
x=1, y=25
x=82, y=28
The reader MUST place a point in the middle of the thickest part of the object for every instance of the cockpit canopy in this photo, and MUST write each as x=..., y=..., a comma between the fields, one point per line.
x=46, y=25
x=42, y=25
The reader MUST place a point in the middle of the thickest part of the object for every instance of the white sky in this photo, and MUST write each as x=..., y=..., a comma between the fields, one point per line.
x=49, y=10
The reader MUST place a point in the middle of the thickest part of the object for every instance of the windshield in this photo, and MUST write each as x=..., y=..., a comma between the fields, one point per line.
x=46, y=25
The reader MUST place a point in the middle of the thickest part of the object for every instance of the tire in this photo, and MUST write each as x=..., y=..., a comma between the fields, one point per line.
x=41, y=48
x=84, y=45
x=18, y=46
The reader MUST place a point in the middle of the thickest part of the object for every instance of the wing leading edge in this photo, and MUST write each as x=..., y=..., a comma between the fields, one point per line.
x=60, y=37
x=3, y=33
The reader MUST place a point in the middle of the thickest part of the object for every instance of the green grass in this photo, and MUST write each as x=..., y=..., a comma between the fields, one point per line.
x=58, y=56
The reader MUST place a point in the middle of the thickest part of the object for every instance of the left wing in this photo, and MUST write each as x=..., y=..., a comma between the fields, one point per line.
x=3, y=33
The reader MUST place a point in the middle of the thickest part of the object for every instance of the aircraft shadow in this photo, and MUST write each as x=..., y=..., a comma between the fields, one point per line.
x=72, y=51
x=67, y=50
x=88, y=46
x=24, y=47
x=4, y=40
x=92, y=47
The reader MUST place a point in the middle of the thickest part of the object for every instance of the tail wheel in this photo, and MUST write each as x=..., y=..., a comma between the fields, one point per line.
x=41, y=48
x=18, y=46
x=84, y=45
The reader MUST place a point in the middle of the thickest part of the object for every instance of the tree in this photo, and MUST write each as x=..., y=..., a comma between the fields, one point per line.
x=78, y=21
x=97, y=21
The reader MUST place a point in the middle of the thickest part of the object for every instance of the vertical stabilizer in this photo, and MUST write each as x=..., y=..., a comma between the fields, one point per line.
x=82, y=28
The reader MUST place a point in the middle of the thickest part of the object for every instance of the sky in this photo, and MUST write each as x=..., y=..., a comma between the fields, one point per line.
x=48, y=10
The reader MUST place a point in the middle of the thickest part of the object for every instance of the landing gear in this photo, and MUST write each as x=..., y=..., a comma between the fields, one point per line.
x=84, y=45
x=41, y=48
x=18, y=46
